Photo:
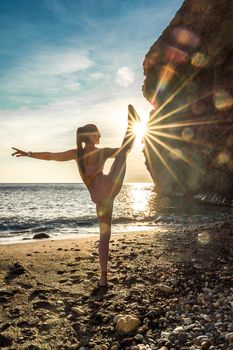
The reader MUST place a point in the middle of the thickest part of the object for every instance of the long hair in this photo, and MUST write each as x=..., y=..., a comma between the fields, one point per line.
x=83, y=135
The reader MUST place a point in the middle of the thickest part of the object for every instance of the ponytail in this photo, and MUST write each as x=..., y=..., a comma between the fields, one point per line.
x=80, y=149
x=79, y=138
x=83, y=136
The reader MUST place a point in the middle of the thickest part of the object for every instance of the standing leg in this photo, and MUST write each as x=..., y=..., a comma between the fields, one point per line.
x=104, y=214
x=105, y=208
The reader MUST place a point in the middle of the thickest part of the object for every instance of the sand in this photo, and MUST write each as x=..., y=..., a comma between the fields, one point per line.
x=49, y=297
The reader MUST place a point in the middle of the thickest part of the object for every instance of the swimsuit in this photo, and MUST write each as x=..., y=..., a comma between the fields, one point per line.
x=104, y=188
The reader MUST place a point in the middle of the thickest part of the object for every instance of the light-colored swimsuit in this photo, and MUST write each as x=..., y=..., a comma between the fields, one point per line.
x=104, y=188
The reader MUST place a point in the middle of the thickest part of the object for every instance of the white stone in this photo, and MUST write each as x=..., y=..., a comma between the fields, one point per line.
x=200, y=339
x=101, y=347
x=206, y=317
x=127, y=323
x=78, y=310
x=187, y=321
x=33, y=322
x=229, y=336
x=178, y=330
x=165, y=335
x=116, y=318
x=143, y=347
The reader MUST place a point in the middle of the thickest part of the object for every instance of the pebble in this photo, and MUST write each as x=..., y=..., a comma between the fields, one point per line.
x=48, y=324
x=206, y=317
x=229, y=337
x=5, y=340
x=139, y=337
x=200, y=339
x=33, y=322
x=205, y=345
x=187, y=321
x=127, y=323
x=114, y=347
x=165, y=334
x=41, y=236
x=101, y=347
x=78, y=310
x=164, y=288
x=182, y=338
x=178, y=330
x=143, y=347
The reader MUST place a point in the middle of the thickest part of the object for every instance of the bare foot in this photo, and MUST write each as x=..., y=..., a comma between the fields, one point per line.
x=103, y=281
x=132, y=114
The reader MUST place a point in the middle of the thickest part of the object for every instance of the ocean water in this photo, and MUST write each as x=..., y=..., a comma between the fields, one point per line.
x=65, y=210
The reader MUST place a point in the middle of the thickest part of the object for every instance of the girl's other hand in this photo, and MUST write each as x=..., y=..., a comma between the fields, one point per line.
x=19, y=153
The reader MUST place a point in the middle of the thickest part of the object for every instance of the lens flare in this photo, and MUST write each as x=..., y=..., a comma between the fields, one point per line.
x=176, y=55
x=166, y=75
x=139, y=130
x=176, y=153
x=203, y=237
x=199, y=60
x=222, y=158
x=187, y=134
x=222, y=100
x=199, y=107
x=185, y=37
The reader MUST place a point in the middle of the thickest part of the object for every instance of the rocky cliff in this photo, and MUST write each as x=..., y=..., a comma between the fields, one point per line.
x=189, y=81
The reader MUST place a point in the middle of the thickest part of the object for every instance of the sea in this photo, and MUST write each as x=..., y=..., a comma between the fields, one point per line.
x=65, y=210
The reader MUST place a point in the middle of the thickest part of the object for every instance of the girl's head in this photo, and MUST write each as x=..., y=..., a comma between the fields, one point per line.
x=87, y=134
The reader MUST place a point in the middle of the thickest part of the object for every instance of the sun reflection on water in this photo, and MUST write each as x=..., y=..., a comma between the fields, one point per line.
x=139, y=197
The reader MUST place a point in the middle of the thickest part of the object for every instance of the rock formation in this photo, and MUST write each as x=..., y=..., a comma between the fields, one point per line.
x=189, y=81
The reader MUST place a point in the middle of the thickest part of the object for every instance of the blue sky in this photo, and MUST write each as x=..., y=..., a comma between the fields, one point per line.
x=65, y=63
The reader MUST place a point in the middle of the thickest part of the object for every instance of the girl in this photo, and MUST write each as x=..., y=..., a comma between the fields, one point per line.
x=103, y=188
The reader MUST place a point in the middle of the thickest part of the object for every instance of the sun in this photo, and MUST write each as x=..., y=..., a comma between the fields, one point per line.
x=140, y=130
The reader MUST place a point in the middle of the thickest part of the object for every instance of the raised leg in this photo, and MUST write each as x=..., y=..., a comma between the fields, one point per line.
x=104, y=214
x=129, y=135
x=118, y=168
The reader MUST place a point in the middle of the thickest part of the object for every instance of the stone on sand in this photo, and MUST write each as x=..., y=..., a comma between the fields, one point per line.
x=126, y=323
x=41, y=236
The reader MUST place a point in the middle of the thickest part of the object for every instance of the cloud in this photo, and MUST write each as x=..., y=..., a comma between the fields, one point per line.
x=72, y=86
x=57, y=63
x=40, y=68
x=124, y=76
x=45, y=75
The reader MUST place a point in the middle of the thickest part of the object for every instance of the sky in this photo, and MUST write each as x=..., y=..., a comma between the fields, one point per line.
x=66, y=63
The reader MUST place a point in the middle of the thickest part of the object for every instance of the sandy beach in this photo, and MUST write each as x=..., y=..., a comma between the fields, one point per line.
x=176, y=284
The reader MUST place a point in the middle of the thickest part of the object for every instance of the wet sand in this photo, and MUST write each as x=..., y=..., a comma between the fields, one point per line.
x=177, y=284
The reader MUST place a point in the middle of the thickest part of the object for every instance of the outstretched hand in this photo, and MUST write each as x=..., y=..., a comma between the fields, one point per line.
x=19, y=153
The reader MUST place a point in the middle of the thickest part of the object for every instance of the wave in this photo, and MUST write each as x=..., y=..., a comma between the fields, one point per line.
x=13, y=225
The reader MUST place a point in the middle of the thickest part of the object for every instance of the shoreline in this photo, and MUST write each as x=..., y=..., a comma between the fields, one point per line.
x=176, y=283
x=61, y=237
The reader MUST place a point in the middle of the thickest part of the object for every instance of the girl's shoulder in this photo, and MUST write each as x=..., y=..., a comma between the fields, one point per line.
x=110, y=152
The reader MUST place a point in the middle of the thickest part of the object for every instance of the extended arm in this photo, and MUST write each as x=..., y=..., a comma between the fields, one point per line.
x=59, y=156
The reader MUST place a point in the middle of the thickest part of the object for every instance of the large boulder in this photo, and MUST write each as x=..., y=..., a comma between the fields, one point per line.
x=189, y=82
